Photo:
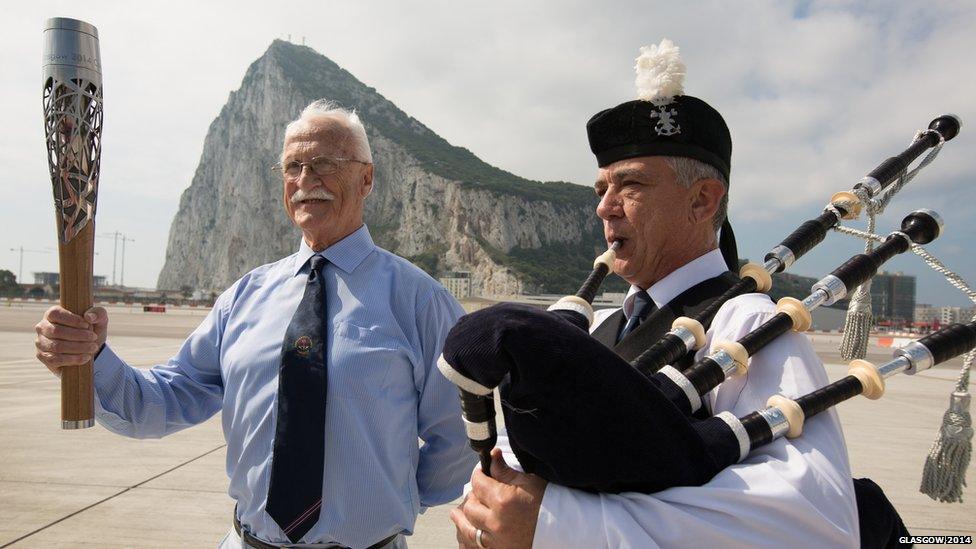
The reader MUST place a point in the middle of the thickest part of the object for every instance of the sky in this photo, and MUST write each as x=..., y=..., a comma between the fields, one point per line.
x=816, y=95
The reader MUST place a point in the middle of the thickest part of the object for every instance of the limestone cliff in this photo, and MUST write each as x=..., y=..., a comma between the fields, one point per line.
x=434, y=203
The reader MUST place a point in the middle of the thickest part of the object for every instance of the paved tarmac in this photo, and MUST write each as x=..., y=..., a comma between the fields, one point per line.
x=92, y=488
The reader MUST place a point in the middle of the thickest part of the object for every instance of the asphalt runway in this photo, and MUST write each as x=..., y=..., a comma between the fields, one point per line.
x=93, y=488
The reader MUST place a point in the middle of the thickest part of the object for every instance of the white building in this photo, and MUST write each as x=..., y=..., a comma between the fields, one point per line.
x=927, y=314
x=458, y=283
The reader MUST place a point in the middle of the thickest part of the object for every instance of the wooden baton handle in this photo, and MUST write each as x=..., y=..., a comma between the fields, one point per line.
x=76, y=258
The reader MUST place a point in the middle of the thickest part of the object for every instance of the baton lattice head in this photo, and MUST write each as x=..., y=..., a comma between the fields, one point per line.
x=73, y=130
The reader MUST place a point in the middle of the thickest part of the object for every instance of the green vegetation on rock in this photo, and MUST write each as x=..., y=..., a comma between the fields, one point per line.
x=430, y=260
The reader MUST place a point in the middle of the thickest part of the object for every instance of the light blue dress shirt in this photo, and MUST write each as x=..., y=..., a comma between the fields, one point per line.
x=389, y=321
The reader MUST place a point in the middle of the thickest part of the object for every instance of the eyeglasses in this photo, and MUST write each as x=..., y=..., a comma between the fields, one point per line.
x=320, y=165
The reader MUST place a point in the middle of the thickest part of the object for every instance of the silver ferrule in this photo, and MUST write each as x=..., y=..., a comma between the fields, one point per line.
x=814, y=300
x=725, y=361
x=919, y=355
x=833, y=287
x=686, y=335
x=776, y=420
x=771, y=265
x=902, y=235
x=71, y=424
x=869, y=184
x=892, y=367
x=783, y=255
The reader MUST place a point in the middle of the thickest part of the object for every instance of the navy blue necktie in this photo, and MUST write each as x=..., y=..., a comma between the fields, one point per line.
x=295, y=491
x=643, y=307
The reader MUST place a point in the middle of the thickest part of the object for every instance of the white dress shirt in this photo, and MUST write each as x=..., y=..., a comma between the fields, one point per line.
x=797, y=492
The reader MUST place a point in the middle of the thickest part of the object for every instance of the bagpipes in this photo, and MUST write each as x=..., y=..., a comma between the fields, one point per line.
x=556, y=381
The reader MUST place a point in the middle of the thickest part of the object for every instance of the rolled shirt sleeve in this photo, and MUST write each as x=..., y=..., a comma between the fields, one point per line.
x=445, y=459
x=795, y=491
x=185, y=391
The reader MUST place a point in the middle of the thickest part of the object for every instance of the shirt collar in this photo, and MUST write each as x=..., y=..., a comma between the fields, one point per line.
x=345, y=254
x=704, y=267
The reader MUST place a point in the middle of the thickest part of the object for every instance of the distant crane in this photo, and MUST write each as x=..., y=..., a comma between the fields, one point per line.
x=117, y=235
x=22, y=249
x=122, y=274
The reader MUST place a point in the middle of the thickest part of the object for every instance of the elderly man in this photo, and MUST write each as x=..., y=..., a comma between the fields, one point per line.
x=663, y=179
x=321, y=363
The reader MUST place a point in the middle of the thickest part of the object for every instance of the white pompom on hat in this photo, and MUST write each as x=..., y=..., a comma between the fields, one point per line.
x=660, y=72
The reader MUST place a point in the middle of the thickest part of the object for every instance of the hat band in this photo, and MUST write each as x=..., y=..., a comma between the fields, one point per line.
x=662, y=148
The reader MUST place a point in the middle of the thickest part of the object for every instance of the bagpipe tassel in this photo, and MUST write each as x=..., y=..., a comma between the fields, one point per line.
x=944, y=474
x=857, y=324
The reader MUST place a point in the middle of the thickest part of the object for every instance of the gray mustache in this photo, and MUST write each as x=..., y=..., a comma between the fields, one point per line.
x=315, y=194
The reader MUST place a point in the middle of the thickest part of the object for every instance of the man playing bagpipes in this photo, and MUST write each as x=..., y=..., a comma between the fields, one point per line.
x=664, y=164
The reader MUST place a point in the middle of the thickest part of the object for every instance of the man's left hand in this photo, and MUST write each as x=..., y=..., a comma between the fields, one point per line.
x=504, y=506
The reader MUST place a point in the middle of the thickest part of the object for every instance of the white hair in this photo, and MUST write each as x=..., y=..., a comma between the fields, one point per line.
x=324, y=109
x=688, y=170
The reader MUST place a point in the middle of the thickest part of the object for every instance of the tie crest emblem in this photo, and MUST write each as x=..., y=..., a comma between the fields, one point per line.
x=303, y=345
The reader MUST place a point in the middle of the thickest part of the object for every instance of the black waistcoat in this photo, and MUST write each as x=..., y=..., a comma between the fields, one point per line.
x=689, y=303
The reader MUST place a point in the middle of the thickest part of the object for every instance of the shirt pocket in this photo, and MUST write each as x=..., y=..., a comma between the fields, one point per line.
x=361, y=361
